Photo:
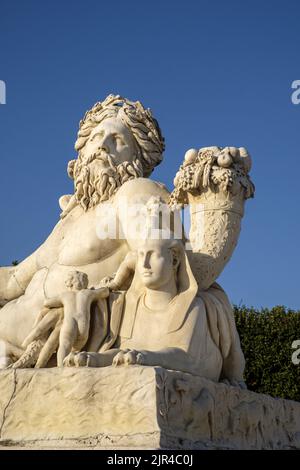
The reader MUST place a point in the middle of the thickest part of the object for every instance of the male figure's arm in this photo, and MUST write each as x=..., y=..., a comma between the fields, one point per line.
x=54, y=302
x=125, y=271
x=15, y=279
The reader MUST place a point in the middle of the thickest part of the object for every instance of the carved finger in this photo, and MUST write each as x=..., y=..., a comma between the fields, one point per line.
x=105, y=281
x=42, y=328
x=113, y=286
x=130, y=358
x=134, y=357
x=81, y=359
x=49, y=347
x=118, y=359
x=69, y=361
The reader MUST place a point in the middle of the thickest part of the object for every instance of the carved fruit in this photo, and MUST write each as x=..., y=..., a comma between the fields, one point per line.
x=245, y=159
x=224, y=160
x=234, y=153
x=190, y=156
x=176, y=179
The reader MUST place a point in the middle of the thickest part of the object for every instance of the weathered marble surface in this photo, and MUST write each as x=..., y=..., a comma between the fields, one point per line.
x=138, y=407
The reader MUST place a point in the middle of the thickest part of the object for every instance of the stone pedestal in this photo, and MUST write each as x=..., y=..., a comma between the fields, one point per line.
x=138, y=407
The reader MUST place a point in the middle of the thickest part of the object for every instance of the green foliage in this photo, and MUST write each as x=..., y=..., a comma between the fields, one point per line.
x=15, y=262
x=266, y=339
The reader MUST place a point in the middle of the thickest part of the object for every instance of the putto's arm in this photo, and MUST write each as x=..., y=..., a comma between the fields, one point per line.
x=101, y=293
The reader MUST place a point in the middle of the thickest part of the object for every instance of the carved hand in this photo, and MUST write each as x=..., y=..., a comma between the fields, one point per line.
x=81, y=359
x=128, y=357
x=90, y=359
x=108, y=282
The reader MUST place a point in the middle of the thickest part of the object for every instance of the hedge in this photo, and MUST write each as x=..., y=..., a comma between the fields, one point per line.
x=266, y=339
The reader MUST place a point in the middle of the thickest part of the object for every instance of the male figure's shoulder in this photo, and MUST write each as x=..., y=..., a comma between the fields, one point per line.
x=140, y=188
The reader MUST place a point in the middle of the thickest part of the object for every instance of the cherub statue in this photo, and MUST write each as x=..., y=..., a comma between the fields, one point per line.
x=75, y=322
x=164, y=323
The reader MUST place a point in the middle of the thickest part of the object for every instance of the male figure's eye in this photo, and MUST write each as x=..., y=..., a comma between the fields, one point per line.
x=97, y=136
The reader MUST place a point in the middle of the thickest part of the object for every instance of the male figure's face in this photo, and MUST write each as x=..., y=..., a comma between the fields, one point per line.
x=108, y=159
x=114, y=138
x=155, y=264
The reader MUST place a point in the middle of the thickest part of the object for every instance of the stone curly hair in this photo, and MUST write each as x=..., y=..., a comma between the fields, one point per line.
x=144, y=127
x=77, y=279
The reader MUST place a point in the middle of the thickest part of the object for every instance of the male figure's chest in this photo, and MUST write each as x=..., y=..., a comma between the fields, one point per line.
x=83, y=242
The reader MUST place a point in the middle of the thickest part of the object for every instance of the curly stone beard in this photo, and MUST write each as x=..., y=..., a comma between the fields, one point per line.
x=97, y=178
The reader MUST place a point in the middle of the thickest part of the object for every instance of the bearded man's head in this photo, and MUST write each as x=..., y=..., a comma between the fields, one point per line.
x=118, y=140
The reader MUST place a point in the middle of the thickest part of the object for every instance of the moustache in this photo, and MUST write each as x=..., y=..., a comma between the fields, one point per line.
x=101, y=156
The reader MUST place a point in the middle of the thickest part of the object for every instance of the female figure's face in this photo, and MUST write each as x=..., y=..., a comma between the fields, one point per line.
x=155, y=264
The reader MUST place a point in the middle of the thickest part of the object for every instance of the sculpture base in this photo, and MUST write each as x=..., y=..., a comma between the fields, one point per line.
x=137, y=407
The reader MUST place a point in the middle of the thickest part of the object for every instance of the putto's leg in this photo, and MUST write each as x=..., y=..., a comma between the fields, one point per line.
x=67, y=338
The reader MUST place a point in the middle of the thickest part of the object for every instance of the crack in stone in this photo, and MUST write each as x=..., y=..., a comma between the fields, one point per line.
x=9, y=401
x=84, y=443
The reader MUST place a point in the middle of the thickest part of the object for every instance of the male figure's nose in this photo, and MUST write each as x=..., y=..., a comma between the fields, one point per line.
x=104, y=148
x=105, y=144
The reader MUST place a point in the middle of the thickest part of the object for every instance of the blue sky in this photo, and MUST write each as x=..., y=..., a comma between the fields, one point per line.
x=213, y=72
